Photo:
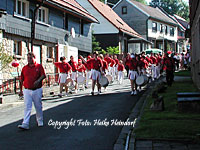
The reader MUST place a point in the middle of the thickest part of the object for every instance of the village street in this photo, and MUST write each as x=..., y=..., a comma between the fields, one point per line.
x=115, y=103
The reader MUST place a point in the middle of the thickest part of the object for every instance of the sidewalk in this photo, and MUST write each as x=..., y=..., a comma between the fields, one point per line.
x=160, y=144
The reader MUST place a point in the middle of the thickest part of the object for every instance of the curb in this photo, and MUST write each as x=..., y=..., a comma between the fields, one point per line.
x=126, y=139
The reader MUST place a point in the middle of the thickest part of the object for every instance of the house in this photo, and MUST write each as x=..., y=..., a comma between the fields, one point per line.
x=194, y=35
x=151, y=23
x=61, y=28
x=182, y=42
x=111, y=30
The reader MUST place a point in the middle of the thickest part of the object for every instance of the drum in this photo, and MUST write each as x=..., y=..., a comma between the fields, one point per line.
x=142, y=80
x=80, y=80
x=109, y=78
x=104, y=81
x=69, y=82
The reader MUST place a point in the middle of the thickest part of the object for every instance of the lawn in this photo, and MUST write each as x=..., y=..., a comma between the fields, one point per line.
x=169, y=123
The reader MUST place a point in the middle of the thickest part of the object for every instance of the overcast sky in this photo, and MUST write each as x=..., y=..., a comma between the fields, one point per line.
x=183, y=0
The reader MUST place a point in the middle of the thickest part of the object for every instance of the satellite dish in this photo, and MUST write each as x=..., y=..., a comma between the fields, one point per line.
x=73, y=32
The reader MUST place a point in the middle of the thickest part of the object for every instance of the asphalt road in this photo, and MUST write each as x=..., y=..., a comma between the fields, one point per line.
x=91, y=125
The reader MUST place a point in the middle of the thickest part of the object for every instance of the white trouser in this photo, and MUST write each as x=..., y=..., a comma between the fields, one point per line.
x=34, y=96
x=112, y=71
x=88, y=77
x=120, y=76
x=154, y=71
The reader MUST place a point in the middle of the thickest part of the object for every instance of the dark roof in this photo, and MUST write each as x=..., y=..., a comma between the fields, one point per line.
x=113, y=18
x=71, y=6
x=154, y=13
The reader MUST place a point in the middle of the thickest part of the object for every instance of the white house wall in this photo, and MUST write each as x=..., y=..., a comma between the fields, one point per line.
x=158, y=35
x=105, y=27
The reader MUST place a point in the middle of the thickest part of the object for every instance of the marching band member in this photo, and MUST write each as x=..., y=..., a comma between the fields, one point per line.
x=169, y=64
x=120, y=70
x=158, y=64
x=64, y=68
x=133, y=73
x=153, y=66
x=88, y=74
x=81, y=68
x=108, y=60
x=74, y=71
x=96, y=71
x=104, y=67
x=112, y=68
x=116, y=65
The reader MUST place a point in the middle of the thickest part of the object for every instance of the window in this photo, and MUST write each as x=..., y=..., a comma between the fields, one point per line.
x=50, y=52
x=161, y=28
x=42, y=15
x=154, y=27
x=22, y=8
x=166, y=30
x=81, y=27
x=171, y=31
x=17, y=48
x=124, y=10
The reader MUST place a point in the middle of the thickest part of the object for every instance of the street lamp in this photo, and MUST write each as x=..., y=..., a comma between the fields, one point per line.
x=34, y=21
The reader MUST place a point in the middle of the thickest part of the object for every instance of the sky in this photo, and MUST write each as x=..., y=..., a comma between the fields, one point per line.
x=183, y=0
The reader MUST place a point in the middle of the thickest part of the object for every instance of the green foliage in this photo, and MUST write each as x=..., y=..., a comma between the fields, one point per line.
x=113, y=50
x=172, y=7
x=95, y=44
x=5, y=59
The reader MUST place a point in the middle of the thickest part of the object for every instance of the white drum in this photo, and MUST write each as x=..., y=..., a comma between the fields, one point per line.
x=80, y=80
x=109, y=77
x=142, y=80
x=104, y=81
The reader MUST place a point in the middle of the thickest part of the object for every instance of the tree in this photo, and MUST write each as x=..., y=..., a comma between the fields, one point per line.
x=113, y=50
x=172, y=7
x=5, y=59
x=95, y=44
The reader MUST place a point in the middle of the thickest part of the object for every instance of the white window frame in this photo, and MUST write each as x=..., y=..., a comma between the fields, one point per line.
x=43, y=20
x=17, y=48
x=26, y=7
x=50, y=51
x=172, y=31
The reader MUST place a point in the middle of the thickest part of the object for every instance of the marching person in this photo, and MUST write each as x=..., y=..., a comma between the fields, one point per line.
x=153, y=66
x=112, y=68
x=104, y=67
x=64, y=68
x=116, y=65
x=120, y=69
x=96, y=71
x=108, y=60
x=133, y=73
x=32, y=76
x=74, y=65
x=170, y=68
x=81, y=68
x=88, y=74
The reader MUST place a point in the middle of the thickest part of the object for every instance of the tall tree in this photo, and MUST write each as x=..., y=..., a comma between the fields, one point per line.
x=172, y=7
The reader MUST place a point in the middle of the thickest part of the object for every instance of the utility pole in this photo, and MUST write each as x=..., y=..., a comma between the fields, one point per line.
x=34, y=17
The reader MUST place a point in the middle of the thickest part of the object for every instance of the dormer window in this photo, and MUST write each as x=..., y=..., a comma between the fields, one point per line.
x=154, y=27
x=171, y=31
x=124, y=10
